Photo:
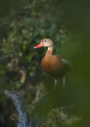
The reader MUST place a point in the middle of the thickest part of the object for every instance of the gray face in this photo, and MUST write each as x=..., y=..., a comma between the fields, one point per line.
x=47, y=42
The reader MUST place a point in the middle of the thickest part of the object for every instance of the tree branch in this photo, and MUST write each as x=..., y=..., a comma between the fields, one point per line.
x=40, y=111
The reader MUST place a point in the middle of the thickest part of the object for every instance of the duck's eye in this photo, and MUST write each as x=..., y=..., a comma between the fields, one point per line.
x=45, y=41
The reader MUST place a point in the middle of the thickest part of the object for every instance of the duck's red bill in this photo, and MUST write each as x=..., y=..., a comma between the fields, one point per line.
x=40, y=45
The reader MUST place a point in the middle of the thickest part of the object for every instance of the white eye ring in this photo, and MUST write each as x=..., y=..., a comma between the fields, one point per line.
x=45, y=41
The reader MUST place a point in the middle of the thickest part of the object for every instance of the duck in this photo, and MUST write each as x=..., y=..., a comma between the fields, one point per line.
x=54, y=65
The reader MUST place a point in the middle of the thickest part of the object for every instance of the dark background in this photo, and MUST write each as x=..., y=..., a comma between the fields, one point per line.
x=23, y=24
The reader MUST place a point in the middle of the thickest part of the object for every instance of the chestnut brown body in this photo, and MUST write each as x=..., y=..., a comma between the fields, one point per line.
x=53, y=65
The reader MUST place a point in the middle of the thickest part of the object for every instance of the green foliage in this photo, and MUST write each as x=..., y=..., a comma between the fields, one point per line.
x=27, y=32
x=23, y=24
x=29, y=27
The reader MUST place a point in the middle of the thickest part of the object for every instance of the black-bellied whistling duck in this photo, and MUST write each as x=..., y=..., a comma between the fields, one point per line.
x=54, y=65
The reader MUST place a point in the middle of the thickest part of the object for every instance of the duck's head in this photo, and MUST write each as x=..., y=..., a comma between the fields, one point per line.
x=45, y=43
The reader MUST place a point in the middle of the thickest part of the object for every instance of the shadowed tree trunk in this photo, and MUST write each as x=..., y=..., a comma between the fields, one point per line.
x=41, y=109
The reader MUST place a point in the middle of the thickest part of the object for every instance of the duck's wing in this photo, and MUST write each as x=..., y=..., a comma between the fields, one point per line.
x=66, y=61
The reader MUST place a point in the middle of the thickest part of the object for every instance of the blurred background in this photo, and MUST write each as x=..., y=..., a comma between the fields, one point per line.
x=23, y=24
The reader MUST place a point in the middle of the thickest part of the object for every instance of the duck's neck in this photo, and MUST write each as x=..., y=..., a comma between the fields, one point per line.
x=50, y=48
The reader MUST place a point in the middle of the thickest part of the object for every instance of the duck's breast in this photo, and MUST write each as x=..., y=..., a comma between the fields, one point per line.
x=52, y=64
